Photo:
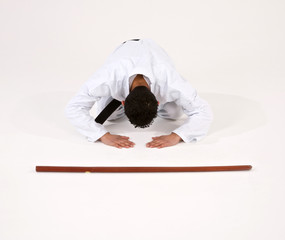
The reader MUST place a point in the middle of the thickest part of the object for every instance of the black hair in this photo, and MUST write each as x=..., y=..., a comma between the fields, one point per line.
x=141, y=107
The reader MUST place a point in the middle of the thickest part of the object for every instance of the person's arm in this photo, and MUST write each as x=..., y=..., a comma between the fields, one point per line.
x=78, y=113
x=196, y=126
x=198, y=111
x=199, y=118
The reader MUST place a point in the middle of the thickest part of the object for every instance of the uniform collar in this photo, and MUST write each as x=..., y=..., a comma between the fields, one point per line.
x=130, y=77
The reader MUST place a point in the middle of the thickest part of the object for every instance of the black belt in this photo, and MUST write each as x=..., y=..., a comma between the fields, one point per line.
x=137, y=39
x=107, y=111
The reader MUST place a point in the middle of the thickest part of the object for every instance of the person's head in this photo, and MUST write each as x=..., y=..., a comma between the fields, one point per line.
x=141, y=107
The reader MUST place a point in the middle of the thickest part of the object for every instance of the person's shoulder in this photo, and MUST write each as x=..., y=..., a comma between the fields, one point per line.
x=100, y=76
x=148, y=40
x=166, y=68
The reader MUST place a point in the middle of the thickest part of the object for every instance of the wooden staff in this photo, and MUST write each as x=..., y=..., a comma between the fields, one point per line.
x=142, y=169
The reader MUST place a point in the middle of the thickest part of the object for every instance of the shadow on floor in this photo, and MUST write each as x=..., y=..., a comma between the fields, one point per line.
x=234, y=114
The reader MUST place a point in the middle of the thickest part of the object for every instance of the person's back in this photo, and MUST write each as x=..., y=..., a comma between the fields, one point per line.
x=144, y=67
x=143, y=51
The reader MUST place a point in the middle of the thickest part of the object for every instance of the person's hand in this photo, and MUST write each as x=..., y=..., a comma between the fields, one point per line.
x=116, y=141
x=164, y=141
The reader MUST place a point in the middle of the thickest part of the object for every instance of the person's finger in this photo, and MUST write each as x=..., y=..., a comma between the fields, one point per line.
x=128, y=145
x=155, y=144
x=117, y=146
x=125, y=143
x=155, y=137
x=124, y=146
x=163, y=145
x=125, y=137
x=149, y=144
x=152, y=143
x=158, y=145
x=128, y=142
x=131, y=142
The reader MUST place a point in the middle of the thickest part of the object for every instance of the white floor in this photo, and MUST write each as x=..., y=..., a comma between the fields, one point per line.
x=232, y=52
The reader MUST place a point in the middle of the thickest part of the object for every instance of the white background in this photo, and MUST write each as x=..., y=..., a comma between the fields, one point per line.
x=232, y=52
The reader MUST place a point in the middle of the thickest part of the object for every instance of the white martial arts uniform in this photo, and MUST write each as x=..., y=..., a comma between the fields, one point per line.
x=114, y=78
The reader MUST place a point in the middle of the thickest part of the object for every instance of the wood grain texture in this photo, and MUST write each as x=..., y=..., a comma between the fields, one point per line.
x=142, y=169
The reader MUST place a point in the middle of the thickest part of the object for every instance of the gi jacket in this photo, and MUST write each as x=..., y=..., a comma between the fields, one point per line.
x=112, y=79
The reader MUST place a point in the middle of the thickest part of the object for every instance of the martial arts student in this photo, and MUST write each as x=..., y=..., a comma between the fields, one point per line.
x=141, y=75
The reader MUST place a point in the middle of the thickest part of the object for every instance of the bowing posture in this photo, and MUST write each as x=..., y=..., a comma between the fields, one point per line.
x=141, y=75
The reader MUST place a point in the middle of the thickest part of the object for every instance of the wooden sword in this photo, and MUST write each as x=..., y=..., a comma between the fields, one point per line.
x=141, y=169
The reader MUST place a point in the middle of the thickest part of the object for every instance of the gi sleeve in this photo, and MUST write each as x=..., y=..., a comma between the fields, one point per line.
x=77, y=110
x=199, y=119
x=198, y=111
